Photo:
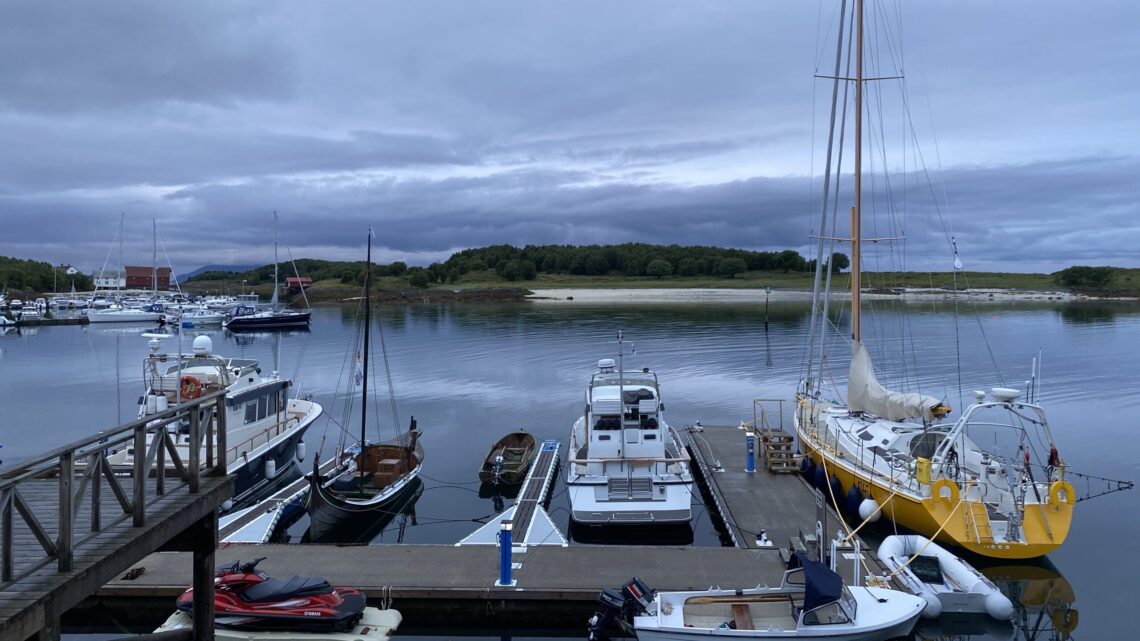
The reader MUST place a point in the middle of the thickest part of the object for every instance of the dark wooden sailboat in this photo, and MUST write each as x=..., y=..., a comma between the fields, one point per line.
x=372, y=476
x=509, y=459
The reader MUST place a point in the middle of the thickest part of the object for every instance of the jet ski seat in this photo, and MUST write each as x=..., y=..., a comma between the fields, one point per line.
x=276, y=590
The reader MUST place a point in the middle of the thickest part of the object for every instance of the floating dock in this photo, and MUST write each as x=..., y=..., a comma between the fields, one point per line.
x=555, y=582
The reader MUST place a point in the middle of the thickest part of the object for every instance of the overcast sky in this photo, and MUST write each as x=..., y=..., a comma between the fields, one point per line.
x=449, y=125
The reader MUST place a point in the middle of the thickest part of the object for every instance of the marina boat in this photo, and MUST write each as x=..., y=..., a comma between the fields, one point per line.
x=375, y=624
x=811, y=602
x=264, y=427
x=991, y=481
x=627, y=465
x=245, y=317
x=509, y=459
x=117, y=314
x=246, y=599
x=6, y=322
x=371, y=477
x=200, y=316
x=947, y=583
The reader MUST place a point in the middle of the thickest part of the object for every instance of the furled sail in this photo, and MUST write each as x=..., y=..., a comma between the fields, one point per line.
x=865, y=394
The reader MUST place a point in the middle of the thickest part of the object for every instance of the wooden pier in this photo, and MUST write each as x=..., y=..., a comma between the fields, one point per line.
x=69, y=523
x=554, y=584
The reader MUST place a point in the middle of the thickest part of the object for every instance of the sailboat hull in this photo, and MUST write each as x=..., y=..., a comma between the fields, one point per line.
x=947, y=521
x=268, y=321
x=332, y=508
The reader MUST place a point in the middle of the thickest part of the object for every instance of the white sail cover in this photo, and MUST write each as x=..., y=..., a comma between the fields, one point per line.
x=865, y=394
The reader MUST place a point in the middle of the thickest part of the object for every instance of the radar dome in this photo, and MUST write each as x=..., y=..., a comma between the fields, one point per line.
x=203, y=345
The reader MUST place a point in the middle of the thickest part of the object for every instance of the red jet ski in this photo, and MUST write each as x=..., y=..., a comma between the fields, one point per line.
x=246, y=599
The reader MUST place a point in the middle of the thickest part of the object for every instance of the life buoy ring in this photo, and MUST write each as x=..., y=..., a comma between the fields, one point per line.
x=191, y=387
x=936, y=490
x=1066, y=620
x=1055, y=490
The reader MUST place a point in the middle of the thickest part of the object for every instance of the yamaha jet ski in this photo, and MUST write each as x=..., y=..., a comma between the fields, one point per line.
x=247, y=599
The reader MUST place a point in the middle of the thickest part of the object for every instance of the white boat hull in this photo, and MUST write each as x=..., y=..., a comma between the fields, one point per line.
x=375, y=625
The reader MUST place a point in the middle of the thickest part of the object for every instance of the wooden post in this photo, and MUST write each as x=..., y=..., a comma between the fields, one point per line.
x=205, y=543
x=139, y=512
x=220, y=419
x=195, y=448
x=66, y=498
x=160, y=461
x=6, y=513
x=95, y=466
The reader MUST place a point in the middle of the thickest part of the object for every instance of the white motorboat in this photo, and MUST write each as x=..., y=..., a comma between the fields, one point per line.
x=124, y=315
x=264, y=427
x=811, y=602
x=200, y=316
x=944, y=580
x=375, y=625
x=627, y=465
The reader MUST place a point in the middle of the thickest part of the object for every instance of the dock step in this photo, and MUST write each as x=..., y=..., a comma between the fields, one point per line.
x=776, y=447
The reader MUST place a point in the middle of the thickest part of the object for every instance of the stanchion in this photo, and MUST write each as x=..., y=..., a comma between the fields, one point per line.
x=505, y=556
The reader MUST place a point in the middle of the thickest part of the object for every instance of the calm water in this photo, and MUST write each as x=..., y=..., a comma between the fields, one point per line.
x=470, y=373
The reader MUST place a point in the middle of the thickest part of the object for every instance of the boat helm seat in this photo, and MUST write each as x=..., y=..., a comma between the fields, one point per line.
x=277, y=590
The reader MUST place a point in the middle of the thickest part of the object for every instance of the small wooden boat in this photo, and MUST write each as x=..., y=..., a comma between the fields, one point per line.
x=509, y=459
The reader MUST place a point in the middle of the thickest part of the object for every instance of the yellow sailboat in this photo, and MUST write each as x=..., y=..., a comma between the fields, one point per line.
x=901, y=456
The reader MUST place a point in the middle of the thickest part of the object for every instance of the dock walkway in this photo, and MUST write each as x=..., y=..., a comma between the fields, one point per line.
x=66, y=529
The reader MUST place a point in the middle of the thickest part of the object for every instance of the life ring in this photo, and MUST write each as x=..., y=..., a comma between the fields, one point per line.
x=191, y=387
x=1066, y=620
x=1055, y=490
x=936, y=490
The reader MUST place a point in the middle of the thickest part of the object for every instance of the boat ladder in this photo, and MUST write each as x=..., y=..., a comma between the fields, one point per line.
x=978, y=520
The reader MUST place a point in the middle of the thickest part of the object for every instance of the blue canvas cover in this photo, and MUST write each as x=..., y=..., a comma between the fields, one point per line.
x=823, y=585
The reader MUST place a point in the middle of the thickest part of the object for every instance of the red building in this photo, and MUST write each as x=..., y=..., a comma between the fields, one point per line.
x=141, y=277
x=294, y=284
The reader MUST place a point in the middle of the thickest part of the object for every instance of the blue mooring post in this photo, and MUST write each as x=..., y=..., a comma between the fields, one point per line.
x=750, y=447
x=505, y=555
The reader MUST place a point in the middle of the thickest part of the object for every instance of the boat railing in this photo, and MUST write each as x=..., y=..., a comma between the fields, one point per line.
x=292, y=419
x=80, y=468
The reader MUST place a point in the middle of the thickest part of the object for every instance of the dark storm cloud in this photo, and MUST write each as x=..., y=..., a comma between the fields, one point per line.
x=457, y=124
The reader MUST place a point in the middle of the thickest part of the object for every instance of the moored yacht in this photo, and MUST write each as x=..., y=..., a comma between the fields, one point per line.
x=264, y=427
x=627, y=465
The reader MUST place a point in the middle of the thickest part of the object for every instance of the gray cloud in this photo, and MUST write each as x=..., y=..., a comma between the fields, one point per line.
x=456, y=124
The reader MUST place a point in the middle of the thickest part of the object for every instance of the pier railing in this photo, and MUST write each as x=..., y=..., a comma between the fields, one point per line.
x=79, y=469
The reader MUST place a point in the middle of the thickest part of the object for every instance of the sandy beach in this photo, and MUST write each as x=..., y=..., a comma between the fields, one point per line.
x=780, y=295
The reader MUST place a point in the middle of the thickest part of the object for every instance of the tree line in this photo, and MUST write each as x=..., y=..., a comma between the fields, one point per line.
x=526, y=263
x=21, y=275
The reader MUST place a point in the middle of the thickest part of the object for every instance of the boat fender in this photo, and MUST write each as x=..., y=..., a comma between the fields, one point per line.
x=227, y=505
x=191, y=387
x=999, y=606
x=300, y=451
x=854, y=499
x=836, y=489
x=807, y=468
x=869, y=510
x=937, y=487
x=270, y=468
x=1055, y=490
x=820, y=478
x=1066, y=620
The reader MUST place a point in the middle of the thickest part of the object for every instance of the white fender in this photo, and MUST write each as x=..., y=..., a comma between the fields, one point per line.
x=270, y=468
x=869, y=508
x=301, y=451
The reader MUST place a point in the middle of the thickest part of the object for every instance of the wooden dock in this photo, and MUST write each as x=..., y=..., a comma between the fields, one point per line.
x=69, y=523
x=549, y=579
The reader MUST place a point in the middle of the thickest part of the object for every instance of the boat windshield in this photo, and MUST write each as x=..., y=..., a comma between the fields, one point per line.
x=647, y=379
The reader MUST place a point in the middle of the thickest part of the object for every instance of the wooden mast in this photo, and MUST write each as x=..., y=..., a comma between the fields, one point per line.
x=857, y=210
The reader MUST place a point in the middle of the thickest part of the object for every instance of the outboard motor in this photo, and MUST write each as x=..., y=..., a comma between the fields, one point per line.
x=634, y=599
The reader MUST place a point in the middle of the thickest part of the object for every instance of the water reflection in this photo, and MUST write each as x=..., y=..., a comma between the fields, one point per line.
x=1094, y=313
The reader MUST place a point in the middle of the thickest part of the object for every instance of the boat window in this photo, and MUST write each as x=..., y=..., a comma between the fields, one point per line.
x=274, y=400
x=794, y=577
x=651, y=437
x=866, y=436
x=850, y=603
x=603, y=437
x=251, y=411
x=262, y=407
x=826, y=614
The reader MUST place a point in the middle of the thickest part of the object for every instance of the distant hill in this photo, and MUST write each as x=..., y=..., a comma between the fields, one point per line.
x=182, y=278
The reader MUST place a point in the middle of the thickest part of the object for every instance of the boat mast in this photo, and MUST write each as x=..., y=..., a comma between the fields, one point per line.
x=857, y=210
x=274, y=299
x=154, y=259
x=364, y=366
